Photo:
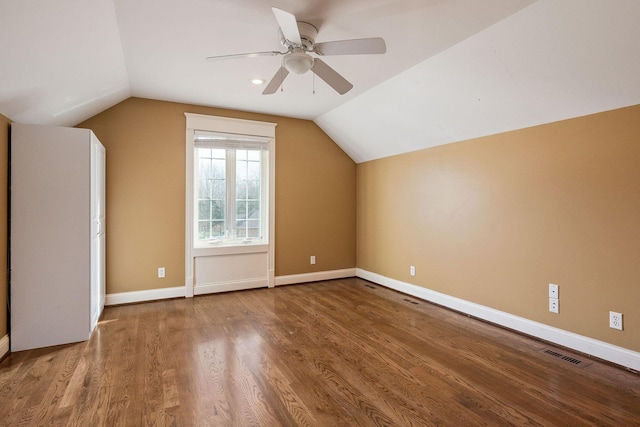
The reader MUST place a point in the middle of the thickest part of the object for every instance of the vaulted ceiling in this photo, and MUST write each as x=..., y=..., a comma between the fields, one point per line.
x=454, y=69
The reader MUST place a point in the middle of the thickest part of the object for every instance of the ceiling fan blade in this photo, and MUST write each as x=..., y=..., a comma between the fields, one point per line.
x=244, y=55
x=288, y=25
x=276, y=81
x=374, y=45
x=331, y=76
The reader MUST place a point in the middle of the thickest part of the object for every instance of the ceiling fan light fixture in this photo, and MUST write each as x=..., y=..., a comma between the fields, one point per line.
x=297, y=62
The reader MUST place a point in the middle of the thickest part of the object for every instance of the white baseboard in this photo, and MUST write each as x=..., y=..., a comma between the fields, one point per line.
x=4, y=346
x=618, y=355
x=235, y=285
x=208, y=288
x=315, y=277
x=143, y=296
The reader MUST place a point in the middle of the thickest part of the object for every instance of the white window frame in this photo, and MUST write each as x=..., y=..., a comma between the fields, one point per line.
x=231, y=143
x=225, y=125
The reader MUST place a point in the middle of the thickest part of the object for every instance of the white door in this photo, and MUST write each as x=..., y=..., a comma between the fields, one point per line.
x=98, y=197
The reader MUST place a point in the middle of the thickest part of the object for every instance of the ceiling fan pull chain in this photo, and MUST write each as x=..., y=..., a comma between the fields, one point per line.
x=314, y=83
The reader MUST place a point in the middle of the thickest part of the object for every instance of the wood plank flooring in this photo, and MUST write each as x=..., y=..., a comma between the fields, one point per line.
x=335, y=353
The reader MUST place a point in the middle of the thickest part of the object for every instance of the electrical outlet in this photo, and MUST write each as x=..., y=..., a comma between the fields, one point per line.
x=412, y=270
x=554, y=305
x=312, y=259
x=160, y=272
x=553, y=291
x=615, y=320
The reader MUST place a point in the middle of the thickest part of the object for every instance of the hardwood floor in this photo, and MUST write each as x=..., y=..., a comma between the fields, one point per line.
x=335, y=353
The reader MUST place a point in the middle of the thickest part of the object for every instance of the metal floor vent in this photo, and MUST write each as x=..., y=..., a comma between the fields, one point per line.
x=411, y=301
x=370, y=286
x=563, y=357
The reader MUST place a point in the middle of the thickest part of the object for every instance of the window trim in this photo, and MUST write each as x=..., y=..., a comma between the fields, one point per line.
x=241, y=127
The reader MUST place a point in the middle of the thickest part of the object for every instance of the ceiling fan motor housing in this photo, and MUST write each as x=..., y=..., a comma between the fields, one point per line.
x=308, y=34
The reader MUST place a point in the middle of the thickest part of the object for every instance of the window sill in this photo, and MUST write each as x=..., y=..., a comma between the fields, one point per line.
x=230, y=249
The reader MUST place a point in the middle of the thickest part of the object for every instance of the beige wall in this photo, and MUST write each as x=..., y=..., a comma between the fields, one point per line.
x=4, y=175
x=494, y=220
x=145, y=141
x=491, y=220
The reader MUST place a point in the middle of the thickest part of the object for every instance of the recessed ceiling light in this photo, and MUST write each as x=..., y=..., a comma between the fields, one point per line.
x=257, y=81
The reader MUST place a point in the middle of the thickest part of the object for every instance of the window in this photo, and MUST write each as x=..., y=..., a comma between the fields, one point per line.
x=230, y=176
x=229, y=203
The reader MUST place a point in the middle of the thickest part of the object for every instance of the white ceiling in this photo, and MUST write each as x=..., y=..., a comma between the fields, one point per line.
x=454, y=69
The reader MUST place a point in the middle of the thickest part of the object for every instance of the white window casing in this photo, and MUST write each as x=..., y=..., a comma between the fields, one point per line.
x=203, y=131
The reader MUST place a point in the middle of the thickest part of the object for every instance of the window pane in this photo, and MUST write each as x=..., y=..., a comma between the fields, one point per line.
x=240, y=229
x=253, y=170
x=204, y=228
x=211, y=192
x=204, y=168
x=218, y=169
x=254, y=155
x=204, y=210
x=204, y=188
x=217, y=210
x=219, y=189
x=253, y=228
x=217, y=229
x=241, y=190
x=241, y=170
x=253, y=190
x=241, y=209
x=253, y=209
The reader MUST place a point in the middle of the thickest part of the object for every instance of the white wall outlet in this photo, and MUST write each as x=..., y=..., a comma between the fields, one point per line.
x=554, y=305
x=553, y=291
x=312, y=259
x=412, y=270
x=160, y=272
x=615, y=320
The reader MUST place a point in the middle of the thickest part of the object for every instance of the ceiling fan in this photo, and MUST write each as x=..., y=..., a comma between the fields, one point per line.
x=299, y=39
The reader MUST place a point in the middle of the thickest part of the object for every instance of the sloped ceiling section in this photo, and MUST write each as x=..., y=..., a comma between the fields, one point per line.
x=61, y=61
x=551, y=61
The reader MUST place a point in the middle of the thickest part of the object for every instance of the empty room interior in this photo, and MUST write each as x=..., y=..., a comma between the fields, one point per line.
x=331, y=213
